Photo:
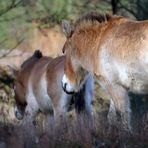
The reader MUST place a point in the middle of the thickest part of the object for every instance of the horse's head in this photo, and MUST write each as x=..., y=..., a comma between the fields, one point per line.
x=19, y=93
x=83, y=38
x=74, y=74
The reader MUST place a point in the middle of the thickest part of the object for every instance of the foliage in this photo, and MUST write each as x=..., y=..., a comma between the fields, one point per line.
x=16, y=16
x=136, y=8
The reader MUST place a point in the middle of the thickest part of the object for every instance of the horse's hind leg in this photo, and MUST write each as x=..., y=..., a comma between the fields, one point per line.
x=112, y=112
x=120, y=106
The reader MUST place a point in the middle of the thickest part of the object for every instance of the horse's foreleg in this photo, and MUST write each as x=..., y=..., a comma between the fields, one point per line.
x=89, y=93
x=61, y=108
x=88, y=96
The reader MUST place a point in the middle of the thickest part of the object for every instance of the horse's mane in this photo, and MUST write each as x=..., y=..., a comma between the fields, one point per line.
x=92, y=17
x=36, y=55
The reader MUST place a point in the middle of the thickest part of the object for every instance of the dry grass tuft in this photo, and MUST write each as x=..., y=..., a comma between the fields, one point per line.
x=78, y=133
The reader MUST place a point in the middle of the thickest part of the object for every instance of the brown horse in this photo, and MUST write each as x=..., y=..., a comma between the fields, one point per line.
x=21, y=82
x=38, y=88
x=115, y=50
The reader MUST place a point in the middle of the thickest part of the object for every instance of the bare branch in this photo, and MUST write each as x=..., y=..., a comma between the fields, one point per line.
x=1, y=42
x=13, y=5
x=7, y=53
x=127, y=9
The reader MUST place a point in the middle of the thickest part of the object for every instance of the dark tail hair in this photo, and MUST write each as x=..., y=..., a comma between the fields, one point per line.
x=37, y=54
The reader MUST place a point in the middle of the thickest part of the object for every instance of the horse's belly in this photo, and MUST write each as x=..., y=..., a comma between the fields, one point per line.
x=136, y=83
x=139, y=86
x=132, y=76
x=130, y=73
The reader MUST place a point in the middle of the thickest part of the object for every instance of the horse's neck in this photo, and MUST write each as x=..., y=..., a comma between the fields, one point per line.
x=90, y=52
x=87, y=63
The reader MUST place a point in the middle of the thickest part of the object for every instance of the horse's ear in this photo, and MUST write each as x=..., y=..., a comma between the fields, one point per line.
x=66, y=28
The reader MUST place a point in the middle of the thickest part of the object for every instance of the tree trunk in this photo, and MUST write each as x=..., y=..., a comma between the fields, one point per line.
x=114, y=4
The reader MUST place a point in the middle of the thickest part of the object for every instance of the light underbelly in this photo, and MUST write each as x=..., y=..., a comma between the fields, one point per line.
x=136, y=83
x=139, y=86
x=132, y=76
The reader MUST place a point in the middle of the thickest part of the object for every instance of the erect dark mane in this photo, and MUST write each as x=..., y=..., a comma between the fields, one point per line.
x=93, y=16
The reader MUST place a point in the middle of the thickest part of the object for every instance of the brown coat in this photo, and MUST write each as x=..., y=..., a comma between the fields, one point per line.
x=115, y=50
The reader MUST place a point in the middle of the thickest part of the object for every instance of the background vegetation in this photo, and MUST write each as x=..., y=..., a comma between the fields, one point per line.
x=17, y=16
x=18, y=19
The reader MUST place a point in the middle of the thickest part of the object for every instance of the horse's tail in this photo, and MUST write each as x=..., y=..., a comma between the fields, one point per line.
x=37, y=54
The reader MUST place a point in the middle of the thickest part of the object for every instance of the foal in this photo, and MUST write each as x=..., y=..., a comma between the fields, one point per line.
x=21, y=83
x=115, y=50
x=38, y=88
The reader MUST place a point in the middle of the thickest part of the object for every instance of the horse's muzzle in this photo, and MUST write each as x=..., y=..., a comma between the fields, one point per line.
x=65, y=90
x=18, y=114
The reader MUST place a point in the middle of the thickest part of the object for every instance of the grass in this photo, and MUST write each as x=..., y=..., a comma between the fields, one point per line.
x=72, y=134
x=75, y=132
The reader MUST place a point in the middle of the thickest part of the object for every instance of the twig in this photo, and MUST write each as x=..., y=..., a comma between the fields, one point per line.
x=1, y=42
x=13, y=5
x=10, y=19
x=6, y=54
x=127, y=9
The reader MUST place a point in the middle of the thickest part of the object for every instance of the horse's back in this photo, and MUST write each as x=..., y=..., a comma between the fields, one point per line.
x=127, y=39
x=124, y=57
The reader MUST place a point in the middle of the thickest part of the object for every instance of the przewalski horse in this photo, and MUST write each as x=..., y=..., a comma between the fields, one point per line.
x=21, y=83
x=38, y=88
x=115, y=50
